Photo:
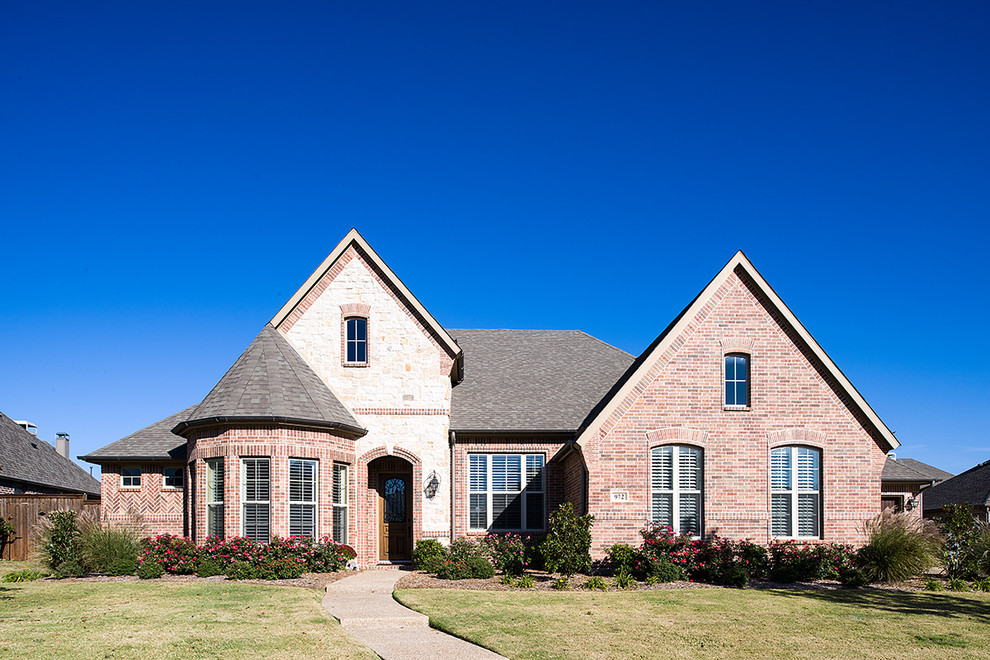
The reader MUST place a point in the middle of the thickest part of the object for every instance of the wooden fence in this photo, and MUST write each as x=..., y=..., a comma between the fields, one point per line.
x=27, y=512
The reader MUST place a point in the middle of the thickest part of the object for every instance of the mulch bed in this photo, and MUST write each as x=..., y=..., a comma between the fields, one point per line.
x=306, y=581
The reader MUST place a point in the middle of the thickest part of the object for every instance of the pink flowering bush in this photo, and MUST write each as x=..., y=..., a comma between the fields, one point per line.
x=173, y=553
x=510, y=553
x=793, y=561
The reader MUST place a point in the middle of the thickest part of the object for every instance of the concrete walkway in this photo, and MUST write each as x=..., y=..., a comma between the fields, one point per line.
x=364, y=606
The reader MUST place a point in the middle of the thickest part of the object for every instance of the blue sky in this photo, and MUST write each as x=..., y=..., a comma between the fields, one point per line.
x=170, y=173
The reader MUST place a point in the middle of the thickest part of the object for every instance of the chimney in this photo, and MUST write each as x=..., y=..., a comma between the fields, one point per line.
x=62, y=444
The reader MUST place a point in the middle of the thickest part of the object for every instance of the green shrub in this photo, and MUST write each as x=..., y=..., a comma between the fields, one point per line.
x=480, y=568
x=623, y=580
x=561, y=584
x=982, y=585
x=509, y=552
x=961, y=532
x=241, y=570
x=105, y=549
x=525, y=582
x=932, y=584
x=898, y=546
x=207, y=567
x=734, y=575
x=853, y=577
x=664, y=571
x=621, y=557
x=7, y=532
x=69, y=569
x=958, y=584
x=595, y=583
x=428, y=554
x=567, y=548
x=24, y=575
x=60, y=539
x=506, y=579
x=150, y=570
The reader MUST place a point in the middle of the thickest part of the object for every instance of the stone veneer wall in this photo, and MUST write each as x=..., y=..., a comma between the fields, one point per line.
x=280, y=445
x=153, y=507
x=793, y=401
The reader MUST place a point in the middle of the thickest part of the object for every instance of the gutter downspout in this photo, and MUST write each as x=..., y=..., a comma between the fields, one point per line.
x=453, y=490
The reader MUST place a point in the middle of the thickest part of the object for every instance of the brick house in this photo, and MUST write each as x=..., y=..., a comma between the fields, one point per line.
x=354, y=413
x=31, y=466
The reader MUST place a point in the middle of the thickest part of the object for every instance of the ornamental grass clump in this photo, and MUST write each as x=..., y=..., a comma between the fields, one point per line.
x=898, y=547
x=24, y=575
x=109, y=549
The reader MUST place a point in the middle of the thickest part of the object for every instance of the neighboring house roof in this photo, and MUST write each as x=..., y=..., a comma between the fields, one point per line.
x=969, y=487
x=270, y=382
x=27, y=459
x=908, y=469
x=155, y=443
x=626, y=386
x=355, y=239
x=531, y=380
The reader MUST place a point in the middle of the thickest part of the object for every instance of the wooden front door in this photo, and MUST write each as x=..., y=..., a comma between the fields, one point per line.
x=394, y=516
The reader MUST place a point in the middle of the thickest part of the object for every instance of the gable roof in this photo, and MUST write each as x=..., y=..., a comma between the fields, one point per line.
x=155, y=442
x=908, y=469
x=626, y=385
x=355, y=239
x=270, y=382
x=28, y=459
x=969, y=487
x=531, y=380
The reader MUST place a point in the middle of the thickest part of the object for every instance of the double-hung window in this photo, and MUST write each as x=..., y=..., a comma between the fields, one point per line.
x=172, y=477
x=256, y=518
x=677, y=488
x=339, y=502
x=302, y=497
x=795, y=492
x=736, y=381
x=356, y=340
x=214, y=497
x=130, y=477
x=507, y=492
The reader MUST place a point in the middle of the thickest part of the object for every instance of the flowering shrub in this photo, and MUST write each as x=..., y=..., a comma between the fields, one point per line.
x=792, y=561
x=226, y=551
x=509, y=552
x=428, y=554
x=464, y=559
x=173, y=553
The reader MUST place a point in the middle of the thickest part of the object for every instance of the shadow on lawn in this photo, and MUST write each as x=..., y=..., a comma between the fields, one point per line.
x=901, y=602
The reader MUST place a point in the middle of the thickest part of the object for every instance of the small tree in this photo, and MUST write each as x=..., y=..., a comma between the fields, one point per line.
x=961, y=532
x=567, y=548
x=60, y=539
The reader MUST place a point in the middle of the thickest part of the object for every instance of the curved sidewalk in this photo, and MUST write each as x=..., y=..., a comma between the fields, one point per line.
x=364, y=606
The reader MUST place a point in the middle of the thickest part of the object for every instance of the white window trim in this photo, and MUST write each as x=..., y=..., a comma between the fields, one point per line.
x=795, y=491
x=524, y=492
x=749, y=381
x=367, y=341
x=342, y=502
x=316, y=495
x=245, y=501
x=213, y=504
x=676, y=491
x=123, y=477
x=166, y=486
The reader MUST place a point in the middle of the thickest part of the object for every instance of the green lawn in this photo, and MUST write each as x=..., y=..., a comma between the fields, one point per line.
x=713, y=623
x=65, y=619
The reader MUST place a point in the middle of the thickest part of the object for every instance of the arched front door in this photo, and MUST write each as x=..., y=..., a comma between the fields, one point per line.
x=395, y=510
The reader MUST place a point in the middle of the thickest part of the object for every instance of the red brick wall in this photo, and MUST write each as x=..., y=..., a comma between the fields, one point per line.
x=792, y=401
x=280, y=445
x=554, y=472
x=152, y=508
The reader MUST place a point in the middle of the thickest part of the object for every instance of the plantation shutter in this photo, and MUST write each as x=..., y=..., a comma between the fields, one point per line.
x=506, y=473
x=663, y=468
x=302, y=498
x=534, y=492
x=663, y=509
x=689, y=468
x=214, y=498
x=257, y=490
x=807, y=465
x=339, y=499
x=478, y=485
x=780, y=514
x=780, y=469
x=808, y=514
x=690, y=514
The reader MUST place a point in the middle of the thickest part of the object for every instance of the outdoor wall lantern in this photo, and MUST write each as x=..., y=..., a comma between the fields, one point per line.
x=909, y=505
x=432, y=485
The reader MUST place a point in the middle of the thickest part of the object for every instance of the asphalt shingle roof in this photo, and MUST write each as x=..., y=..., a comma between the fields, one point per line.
x=969, y=487
x=270, y=381
x=26, y=458
x=908, y=469
x=531, y=380
x=154, y=442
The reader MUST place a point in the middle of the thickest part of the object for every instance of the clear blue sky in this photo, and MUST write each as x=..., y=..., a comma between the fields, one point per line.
x=170, y=174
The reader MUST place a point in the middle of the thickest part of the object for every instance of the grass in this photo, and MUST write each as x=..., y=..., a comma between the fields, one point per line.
x=713, y=623
x=167, y=620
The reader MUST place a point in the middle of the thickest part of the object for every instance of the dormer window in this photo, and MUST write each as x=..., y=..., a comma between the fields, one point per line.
x=737, y=381
x=356, y=340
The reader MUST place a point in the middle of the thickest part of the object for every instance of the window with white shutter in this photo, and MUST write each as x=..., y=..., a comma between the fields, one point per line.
x=214, y=497
x=507, y=492
x=677, y=488
x=256, y=498
x=302, y=497
x=340, y=503
x=795, y=492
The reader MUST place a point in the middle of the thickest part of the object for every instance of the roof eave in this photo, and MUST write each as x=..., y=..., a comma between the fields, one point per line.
x=100, y=460
x=346, y=430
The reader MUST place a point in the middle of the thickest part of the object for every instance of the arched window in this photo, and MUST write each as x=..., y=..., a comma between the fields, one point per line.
x=356, y=340
x=736, y=380
x=677, y=488
x=795, y=492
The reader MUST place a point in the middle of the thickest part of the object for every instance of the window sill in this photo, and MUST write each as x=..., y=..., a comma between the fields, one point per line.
x=171, y=489
x=133, y=488
x=355, y=364
x=736, y=408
